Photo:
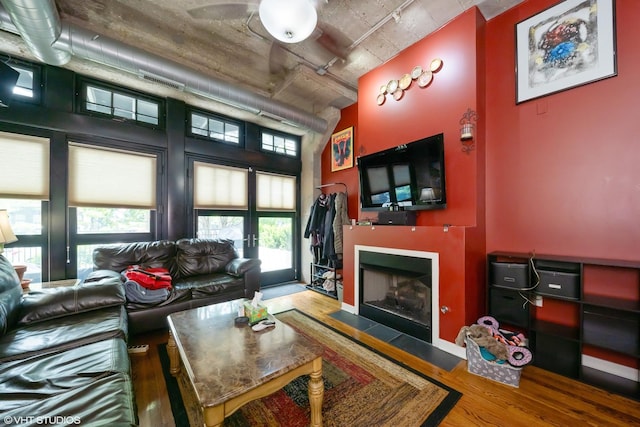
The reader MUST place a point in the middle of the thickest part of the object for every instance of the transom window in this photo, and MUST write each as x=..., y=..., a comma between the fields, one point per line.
x=103, y=100
x=215, y=128
x=24, y=85
x=27, y=87
x=280, y=144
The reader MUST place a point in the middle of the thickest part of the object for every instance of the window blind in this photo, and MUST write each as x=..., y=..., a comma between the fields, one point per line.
x=24, y=166
x=219, y=187
x=103, y=177
x=275, y=192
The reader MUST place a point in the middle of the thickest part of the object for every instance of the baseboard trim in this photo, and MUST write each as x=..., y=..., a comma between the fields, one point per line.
x=610, y=367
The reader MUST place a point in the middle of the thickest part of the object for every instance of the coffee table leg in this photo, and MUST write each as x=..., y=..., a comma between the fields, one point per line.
x=316, y=393
x=172, y=350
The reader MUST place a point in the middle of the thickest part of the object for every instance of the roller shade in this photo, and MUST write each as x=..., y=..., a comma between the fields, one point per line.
x=219, y=187
x=111, y=178
x=275, y=192
x=24, y=166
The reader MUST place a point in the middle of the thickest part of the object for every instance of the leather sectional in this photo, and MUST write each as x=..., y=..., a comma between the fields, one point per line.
x=203, y=272
x=63, y=354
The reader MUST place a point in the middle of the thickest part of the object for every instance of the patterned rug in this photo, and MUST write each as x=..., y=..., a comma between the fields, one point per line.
x=362, y=388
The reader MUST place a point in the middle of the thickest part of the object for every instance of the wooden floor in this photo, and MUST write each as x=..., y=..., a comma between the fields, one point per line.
x=543, y=399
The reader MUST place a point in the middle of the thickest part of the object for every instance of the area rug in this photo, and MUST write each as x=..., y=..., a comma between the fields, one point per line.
x=362, y=388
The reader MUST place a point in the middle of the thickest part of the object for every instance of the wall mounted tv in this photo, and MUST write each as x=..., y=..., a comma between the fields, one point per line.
x=410, y=176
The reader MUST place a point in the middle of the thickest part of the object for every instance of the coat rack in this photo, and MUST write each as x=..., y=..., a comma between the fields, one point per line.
x=332, y=184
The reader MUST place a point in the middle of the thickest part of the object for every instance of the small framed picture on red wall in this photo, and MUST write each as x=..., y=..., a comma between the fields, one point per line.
x=342, y=150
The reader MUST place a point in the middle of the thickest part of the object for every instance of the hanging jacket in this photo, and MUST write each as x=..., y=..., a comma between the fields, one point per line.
x=341, y=218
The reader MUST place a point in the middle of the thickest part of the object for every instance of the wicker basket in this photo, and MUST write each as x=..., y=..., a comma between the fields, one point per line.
x=476, y=364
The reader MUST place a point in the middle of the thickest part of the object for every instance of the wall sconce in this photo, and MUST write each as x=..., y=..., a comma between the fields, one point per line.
x=467, y=128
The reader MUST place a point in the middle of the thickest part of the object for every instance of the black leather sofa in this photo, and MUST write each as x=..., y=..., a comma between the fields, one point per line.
x=203, y=272
x=63, y=355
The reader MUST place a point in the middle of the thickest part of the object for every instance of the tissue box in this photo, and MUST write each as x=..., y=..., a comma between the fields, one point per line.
x=255, y=314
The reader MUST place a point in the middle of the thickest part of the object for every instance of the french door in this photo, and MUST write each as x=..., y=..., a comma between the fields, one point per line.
x=254, y=209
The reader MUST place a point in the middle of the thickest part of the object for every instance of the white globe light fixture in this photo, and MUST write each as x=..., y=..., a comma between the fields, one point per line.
x=289, y=21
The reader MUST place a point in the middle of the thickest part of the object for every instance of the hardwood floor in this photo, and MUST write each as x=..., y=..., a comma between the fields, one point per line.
x=543, y=399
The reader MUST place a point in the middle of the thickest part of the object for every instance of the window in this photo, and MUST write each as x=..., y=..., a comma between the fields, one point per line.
x=219, y=187
x=124, y=178
x=285, y=145
x=25, y=198
x=215, y=128
x=275, y=192
x=121, y=104
x=123, y=210
x=27, y=87
x=24, y=85
x=276, y=205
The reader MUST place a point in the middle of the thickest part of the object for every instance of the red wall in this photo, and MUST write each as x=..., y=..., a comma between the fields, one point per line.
x=563, y=172
x=423, y=112
x=348, y=118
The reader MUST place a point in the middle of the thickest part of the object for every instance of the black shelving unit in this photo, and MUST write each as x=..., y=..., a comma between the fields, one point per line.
x=603, y=296
x=317, y=279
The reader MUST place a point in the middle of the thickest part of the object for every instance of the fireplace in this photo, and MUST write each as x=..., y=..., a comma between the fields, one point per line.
x=396, y=290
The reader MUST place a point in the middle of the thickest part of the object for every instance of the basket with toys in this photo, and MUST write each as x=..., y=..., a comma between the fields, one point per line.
x=494, y=353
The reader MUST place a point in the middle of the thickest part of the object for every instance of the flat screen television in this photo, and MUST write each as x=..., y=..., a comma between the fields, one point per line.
x=410, y=176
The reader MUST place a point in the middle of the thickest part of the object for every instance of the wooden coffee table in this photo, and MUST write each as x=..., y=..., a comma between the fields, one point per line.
x=228, y=366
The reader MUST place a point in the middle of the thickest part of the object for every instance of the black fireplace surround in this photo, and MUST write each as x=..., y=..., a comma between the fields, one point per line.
x=395, y=290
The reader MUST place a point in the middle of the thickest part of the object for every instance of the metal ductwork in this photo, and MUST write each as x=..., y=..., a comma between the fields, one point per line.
x=72, y=40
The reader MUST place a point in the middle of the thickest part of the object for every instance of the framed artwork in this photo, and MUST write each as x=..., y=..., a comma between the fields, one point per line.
x=342, y=150
x=565, y=46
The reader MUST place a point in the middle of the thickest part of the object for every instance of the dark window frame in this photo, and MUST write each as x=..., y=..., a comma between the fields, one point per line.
x=297, y=139
x=84, y=83
x=37, y=79
x=225, y=120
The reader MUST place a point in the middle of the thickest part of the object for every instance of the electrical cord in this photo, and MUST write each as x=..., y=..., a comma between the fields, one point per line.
x=535, y=272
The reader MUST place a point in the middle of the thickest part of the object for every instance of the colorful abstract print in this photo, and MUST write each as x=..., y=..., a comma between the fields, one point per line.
x=564, y=45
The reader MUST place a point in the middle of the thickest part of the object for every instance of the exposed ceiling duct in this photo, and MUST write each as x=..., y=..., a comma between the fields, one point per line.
x=60, y=40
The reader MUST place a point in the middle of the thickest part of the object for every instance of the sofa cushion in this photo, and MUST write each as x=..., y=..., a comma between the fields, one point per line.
x=105, y=401
x=25, y=381
x=54, y=336
x=51, y=303
x=206, y=285
x=160, y=253
x=203, y=256
x=10, y=295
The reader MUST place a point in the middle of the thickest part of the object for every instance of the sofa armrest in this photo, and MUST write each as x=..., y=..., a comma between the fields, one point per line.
x=240, y=266
x=53, y=303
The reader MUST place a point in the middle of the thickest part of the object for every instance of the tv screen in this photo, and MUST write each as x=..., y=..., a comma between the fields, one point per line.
x=410, y=176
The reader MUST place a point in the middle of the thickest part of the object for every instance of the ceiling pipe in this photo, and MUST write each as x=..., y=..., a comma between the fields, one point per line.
x=79, y=42
x=39, y=25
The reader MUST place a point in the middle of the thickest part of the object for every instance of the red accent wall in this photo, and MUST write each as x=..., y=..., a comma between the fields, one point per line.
x=558, y=175
x=562, y=171
x=426, y=111
x=423, y=112
x=348, y=118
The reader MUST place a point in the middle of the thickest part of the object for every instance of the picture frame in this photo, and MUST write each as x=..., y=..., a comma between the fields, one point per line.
x=565, y=46
x=342, y=150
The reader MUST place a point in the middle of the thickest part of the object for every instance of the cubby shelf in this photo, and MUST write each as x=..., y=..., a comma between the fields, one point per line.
x=589, y=305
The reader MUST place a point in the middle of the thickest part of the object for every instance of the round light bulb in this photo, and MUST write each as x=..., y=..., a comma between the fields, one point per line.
x=289, y=21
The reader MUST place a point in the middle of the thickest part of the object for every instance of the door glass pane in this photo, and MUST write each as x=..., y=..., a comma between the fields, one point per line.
x=276, y=243
x=223, y=227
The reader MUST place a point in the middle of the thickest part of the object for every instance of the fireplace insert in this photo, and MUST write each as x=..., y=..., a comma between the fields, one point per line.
x=395, y=290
